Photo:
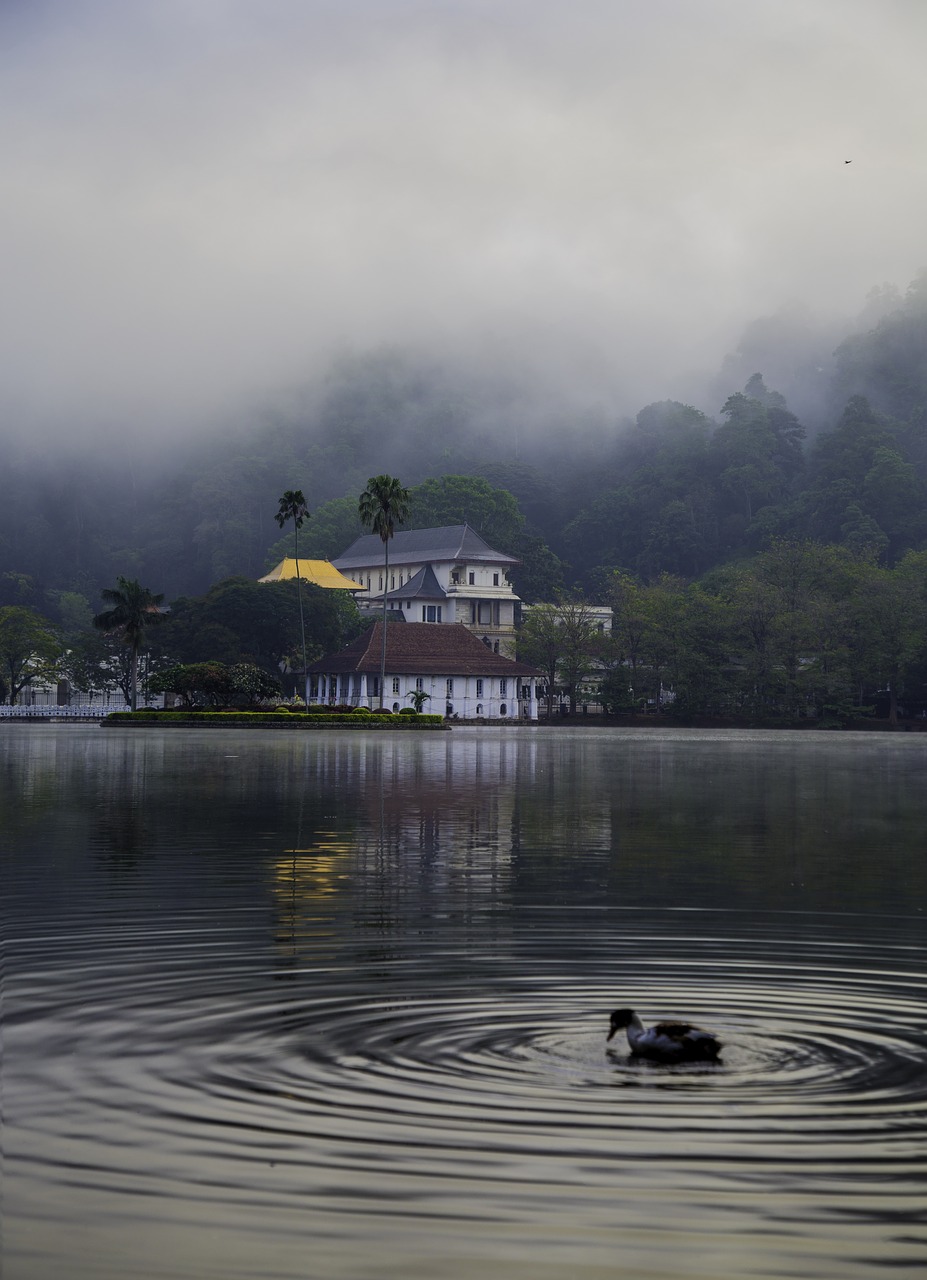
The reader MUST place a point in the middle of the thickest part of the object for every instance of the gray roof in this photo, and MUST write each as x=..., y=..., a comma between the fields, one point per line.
x=422, y=586
x=413, y=546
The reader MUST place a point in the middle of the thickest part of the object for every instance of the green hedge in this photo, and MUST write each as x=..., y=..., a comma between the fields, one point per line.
x=274, y=719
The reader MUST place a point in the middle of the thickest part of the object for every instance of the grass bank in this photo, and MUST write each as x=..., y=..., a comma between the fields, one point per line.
x=268, y=720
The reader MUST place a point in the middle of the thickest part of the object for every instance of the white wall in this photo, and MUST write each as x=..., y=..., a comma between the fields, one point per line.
x=470, y=697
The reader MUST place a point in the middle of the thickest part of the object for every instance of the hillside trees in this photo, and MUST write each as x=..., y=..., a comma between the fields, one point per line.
x=888, y=363
x=29, y=649
x=862, y=490
x=691, y=491
x=450, y=500
x=335, y=525
x=669, y=492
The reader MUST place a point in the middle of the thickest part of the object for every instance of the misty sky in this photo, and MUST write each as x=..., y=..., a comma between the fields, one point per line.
x=204, y=199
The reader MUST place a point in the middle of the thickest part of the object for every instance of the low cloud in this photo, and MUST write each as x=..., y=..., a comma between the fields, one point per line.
x=205, y=202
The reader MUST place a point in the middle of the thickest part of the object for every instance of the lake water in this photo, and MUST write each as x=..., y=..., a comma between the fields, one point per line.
x=287, y=1005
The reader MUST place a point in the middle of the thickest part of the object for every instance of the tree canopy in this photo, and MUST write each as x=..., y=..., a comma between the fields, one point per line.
x=135, y=611
x=29, y=649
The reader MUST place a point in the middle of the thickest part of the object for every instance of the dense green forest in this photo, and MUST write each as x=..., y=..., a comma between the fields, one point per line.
x=675, y=491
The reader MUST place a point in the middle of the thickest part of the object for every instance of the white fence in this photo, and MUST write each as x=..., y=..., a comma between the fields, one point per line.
x=86, y=712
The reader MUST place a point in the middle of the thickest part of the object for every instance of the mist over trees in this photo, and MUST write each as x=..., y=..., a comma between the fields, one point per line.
x=818, y=436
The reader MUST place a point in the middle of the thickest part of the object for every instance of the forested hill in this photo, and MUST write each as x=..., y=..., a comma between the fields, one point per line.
x=676, y=490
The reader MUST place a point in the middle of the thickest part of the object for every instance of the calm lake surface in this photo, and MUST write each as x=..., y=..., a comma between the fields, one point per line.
x=286, y=1005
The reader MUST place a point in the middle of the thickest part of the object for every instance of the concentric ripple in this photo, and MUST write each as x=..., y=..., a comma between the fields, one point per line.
x=356, y=1081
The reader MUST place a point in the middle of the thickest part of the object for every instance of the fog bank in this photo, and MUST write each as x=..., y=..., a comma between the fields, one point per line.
x=205, y=203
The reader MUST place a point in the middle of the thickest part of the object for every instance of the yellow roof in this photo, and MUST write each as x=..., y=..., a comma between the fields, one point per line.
x=320, y=572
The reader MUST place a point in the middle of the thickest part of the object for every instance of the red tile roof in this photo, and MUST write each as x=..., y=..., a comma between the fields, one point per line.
x=421, y=648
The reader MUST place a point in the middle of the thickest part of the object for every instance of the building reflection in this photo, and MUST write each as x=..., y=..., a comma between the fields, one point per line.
x=434, y=821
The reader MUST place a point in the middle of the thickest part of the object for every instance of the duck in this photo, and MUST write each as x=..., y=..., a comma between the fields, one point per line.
x=666, y=1041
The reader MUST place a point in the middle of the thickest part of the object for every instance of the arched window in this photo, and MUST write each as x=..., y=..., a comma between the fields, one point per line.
x=503, y=710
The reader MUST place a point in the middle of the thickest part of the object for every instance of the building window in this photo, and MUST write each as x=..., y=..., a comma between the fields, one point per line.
x=479, y=688
x=503, y=688
x=495, y=579
x=396, y=708
x=495, y=647
x=455, y=578
x=374, y=684
x=431, y=613
x=503, y=710
x=450, y=686
x=419, y=683
x=395, y=684
x=380, y=588
x=471, y=579
x=484, y=614
x=392, y=581
x=479, y=708
x=368, y=581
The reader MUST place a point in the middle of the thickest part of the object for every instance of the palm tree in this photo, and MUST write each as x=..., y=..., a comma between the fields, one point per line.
x=293, y=507
x=134, y=610
x=383, y=504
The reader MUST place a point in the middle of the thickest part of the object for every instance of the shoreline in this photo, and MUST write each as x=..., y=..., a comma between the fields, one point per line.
x=290, y=722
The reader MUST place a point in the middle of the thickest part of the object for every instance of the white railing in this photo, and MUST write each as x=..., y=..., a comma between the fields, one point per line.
x=85, y=712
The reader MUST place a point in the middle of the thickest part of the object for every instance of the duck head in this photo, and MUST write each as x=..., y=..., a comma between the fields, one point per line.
x=620, y=1018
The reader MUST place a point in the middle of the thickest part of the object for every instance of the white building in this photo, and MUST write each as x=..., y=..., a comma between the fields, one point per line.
x=461, y=675
x=446, y=575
